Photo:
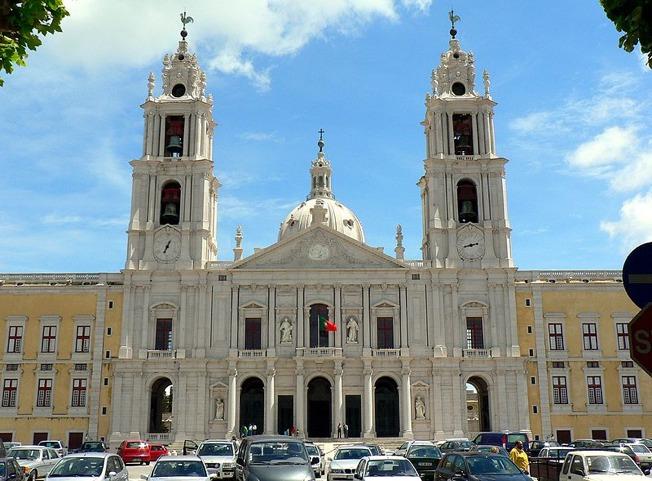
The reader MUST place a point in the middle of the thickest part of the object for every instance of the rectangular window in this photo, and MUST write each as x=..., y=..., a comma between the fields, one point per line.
x=533, y=380
x=474, y=338
x=78, y=393
x=83, y=339
x=590, y=336
x=556, y=336
x=163, y=340
x=9, y=391
x=599, y=434
x=627, y=363
x=109, y=331
x=593, y=364
x=11, y=367
x=49, y=339
x=174, y=135
x=15, y=340
x=44, y=393
x=594, y=384
x=253, y=333
x=103, y=410
x=630, y=393
x=463, y=134
x=558, y=364
x=385, y=332
x=106, y=381
x=622, y=330
x=559, y=390
x=529, y=329
x=46, y=367
x=81, y=367
x=634, y=433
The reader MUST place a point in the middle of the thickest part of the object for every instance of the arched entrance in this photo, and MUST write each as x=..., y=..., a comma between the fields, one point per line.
x=319, y=408
x=478, y=415
x=160, y=408
x=252, y=404
x=387, y=408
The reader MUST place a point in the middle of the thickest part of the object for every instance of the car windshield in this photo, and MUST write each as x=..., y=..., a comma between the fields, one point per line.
x=639, y=448
x=49, y=444
x=136, y=445
x=312, y=450
x=611, y=464
x=78, y=467
x=424, y=452
x=93, y=447
x=352, y=453
x=491, y=450
x=174, y=469
x=647, y=442
x=389, y=467
x=491, y=465
x=512, y=438
x=278, y=452
x=26, y=454
x=215, y=449
x=557, y=453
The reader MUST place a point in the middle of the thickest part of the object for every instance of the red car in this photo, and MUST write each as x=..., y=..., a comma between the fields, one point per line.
x=135, y=450
x=158, y=450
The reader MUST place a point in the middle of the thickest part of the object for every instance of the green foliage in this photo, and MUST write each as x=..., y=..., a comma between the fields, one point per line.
x=21, y=23
x=634, y=17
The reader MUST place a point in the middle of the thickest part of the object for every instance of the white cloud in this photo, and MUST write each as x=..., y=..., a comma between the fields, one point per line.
x=612, y=146
x=236, y=208
x=260, y=136
x=634, y=225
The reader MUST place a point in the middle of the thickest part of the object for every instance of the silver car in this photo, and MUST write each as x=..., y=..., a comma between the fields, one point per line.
x=56, y=445
x=219, y=455
x=177, y=468
x=91, y=466
x=36, y=461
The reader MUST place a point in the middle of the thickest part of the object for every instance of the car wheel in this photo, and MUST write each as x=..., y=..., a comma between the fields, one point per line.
x=147, y=463
x=141, y=462
x=32, y=475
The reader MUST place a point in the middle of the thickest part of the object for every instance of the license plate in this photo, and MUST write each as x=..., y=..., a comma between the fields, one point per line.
x=425, y=464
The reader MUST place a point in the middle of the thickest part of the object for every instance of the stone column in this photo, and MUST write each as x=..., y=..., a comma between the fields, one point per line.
x=270, y=399
x=300, y=402
x=231, y=428
x=161, y=135
x=338, y=317
x=300, y=326
x=406, y=385
x=402, y=295
x=338, y=401
x=186, y=128
x=271, y=318
x=368, y=400
x=235, y=292
x=366, y=317
x=144, y=341
x=179, y=338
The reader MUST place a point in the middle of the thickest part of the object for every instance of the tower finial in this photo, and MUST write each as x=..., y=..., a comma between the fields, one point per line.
x=321, y=143
x=185, y=19
x=453, y=18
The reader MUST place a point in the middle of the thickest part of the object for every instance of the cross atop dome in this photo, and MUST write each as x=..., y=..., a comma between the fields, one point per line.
x=321, y=173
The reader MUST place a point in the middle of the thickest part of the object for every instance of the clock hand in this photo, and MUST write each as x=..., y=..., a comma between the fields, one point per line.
x=166, y=247
x=471, y=245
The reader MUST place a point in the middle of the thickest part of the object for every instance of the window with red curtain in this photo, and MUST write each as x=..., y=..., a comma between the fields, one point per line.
x=44, y=393
x=83, y=340
x=9, y=391
x=474, y=337
x=622, y=330
x=556, y=336
x=385, y=332
x=15, y=339
x=594, y=384
x=78, y=393
x=49, y=339
x=559, y=390
x=253, y=333
x=590, y=336
x=630, y=393
x=163, y=340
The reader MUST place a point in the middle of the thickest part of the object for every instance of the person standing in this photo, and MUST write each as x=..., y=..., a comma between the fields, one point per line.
x=346, y=430
x=519, y=457
x=339, y=430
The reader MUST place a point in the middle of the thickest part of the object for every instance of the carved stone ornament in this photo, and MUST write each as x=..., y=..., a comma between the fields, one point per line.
x=219, y=409
x=419, y=408
x=286, y=331
x=352, y=330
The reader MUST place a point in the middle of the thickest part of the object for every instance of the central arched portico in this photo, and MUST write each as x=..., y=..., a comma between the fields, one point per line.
x=252, y=404
x=477, y=405
x=386, y=407
x=320, y=405
x=160, y=407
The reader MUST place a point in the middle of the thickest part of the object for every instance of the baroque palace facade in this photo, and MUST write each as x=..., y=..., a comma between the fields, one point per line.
x=180, y=345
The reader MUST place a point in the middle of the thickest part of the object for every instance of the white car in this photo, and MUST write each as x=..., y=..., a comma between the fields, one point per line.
x=179, y=468
x=314, y=452
x=644, y=455
x=90, y=467
x=35, y=461
x=599, y=466
x=56, y=445
x=389, y=468
x=219, y=455
x=556, y=454
x=345, y=462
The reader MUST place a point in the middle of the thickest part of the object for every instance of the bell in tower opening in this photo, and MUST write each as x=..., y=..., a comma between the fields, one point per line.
x=170, y=203
x=467, y=201
x=174, y=136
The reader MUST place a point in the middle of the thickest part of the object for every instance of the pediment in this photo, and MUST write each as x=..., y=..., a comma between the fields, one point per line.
x=319, y=248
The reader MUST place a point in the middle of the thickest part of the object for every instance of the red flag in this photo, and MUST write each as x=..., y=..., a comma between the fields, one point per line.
x=330, y=326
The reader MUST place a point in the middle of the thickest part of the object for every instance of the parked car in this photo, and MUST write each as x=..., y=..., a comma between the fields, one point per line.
x=8, y=445
x=219, y=455
x=487, y=449
x=478, y=467
x=376, y=450
x=56, y=445
x=345, y=461
x=456, y=445
x=186, y=468
x=556, y=454
x=644, y=455
x=537, y=445
x=156, y=451
x=35, y=461
x=319, y=464
x=93, y=447
x=599, y=466
x=587, y=443
x=273, y=458
x=10, y=470
x=402, y=449
x=506, y=440
x=388, y=468
x=92, y=466
x=425, y=457
x=134, y=450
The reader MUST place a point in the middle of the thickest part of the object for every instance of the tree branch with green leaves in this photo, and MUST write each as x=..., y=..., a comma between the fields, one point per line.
x=634, y=18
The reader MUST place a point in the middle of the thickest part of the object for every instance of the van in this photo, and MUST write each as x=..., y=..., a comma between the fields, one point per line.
x=506, y=440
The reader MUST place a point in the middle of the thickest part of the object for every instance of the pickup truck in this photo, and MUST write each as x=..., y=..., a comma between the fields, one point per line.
x=56, y=445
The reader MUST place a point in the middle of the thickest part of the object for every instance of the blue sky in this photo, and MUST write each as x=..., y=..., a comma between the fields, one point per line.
x=573, y=118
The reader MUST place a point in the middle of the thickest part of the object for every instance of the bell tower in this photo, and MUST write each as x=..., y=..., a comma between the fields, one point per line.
x=463, y=192
x=174, y=194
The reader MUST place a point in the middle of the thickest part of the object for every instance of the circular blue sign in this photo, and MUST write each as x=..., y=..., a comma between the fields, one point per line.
x=637, y=275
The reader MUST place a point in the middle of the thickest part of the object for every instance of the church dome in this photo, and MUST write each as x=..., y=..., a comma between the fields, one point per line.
x=321, y=207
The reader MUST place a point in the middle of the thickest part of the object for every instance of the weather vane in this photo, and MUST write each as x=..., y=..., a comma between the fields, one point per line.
x=453, y=18
x=321, y=140
x=185, y=20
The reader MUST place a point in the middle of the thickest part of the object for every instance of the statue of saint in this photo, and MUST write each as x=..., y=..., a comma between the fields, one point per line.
x=420, y=408
x=219, y=409
x=286, y=331
x=352, y=328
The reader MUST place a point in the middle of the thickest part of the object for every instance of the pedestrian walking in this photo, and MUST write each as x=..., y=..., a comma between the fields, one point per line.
x=339, y=430
x=251, y=429
x=255, y=429
x=346, y=430
x=519, y=457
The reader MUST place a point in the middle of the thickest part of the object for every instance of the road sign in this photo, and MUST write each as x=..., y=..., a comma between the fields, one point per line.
x=640, y=339
x=637, y=275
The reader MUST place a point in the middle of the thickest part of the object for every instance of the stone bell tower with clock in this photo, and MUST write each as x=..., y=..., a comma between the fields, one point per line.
x=174, y=194
x=463, y=192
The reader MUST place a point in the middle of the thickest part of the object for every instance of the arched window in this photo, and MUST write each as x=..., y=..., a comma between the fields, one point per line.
x=463, y=134
x=467, y=201
x=170, y=203
x=174, y=135
x=318, y=331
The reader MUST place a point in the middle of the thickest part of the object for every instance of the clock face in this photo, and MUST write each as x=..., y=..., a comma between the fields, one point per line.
x=167, y=246
x=318, y=252
x=470, y=243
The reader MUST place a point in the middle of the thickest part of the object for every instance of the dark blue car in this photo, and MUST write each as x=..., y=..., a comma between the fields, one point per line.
x=473, y=466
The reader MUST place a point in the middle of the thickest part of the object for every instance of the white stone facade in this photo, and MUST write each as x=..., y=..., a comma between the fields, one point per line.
x=422, y=309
